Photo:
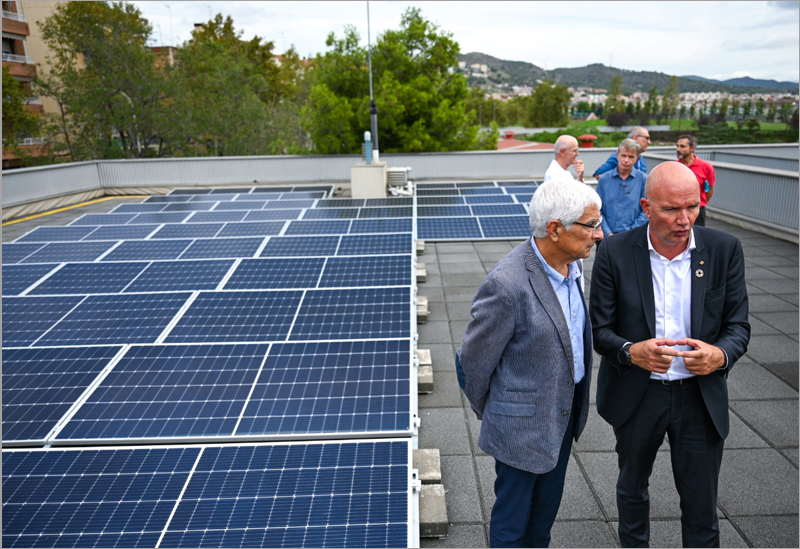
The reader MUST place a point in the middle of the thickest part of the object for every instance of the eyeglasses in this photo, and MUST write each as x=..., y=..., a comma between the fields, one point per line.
x=625, y=186
x=647, y=137
x=593, y=227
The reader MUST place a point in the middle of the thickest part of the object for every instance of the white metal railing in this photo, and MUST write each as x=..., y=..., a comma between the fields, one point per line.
x=12, y=15
x=31, y=141
x=33, y=101
x=24, y=59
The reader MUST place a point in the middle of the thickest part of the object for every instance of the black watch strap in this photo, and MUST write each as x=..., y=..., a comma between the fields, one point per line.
x=624, y=354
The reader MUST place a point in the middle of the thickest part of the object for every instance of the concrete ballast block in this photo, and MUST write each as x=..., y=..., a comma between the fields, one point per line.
x=425, y=379
x=424, y=356
x=420, y=247
x=422, y=273
x=429, y=464
x=422, y=309
x=432, y=511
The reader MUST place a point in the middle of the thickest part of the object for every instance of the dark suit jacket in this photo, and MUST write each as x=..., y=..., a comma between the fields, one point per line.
x=622, y=308
x=518, y=360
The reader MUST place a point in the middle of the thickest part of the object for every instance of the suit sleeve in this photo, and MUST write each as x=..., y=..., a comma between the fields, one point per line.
x=486, y=337
x=734, y=332
x=603, y=304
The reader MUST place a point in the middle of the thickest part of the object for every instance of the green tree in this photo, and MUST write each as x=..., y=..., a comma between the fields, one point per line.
x=746, y=109
x=692, y=111
x=672, y=98
x=760, y=106
x=615, y=104
x=785, y=113
x=18, y=122
x=549, y=105
x=724, y=105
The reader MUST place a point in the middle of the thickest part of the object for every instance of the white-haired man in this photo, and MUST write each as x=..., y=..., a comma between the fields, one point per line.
x=527, y=361
x=566, y=151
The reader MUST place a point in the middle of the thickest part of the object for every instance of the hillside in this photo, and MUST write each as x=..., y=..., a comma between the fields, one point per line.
x=521, y=73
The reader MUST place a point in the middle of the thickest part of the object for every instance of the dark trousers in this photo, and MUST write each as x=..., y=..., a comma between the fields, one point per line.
x=527, y=503
x=701, y=218
x=696, y=454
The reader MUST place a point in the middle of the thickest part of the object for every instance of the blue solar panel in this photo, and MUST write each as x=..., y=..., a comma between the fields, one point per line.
x=40, y=385
x=529, y=182
x=223, y=248
x=173, y=217
x=375, y=270
x=92, y=498
x=379, y=244
x=147, y=250
x=394, y=201
x=267, y=194
x=440, y=200
x=491, y=199
x=104, y=219
x=190, y=207
x=176, y=276
x=524, y=198
x=188, y=230
x=59, y=252
x=196, y=190
x=384, y=212
x=111, y=319
x=339, y=387
x=321, y=227
x=275, y=274
x=438, y=192
x=272, y=215
x=14, y=253
x=341, y=203
x=18, y=278
x=331, y=213
x=264, y=228
x=242, y=205
x=285, y=204
x=213, y=198
x=230, y=190
x=216, y=217
x=85, y=278
x=217, y=317
x=280, y=246
x=443, y=211
x=510, y=226
x=168, y=391
x=481, y=190
x=140, y=208
x=304, y=194
x=326, y=189
x=499, y=209
x=173, y=197
x=364, y=313
x=429, y=186
x=25, y=319
x=437, y=228
x=394, y=225
x=56, y=234
x=522, y=189
x=121, y=232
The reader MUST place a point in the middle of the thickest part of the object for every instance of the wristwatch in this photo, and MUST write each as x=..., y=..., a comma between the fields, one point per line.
x=624, y=354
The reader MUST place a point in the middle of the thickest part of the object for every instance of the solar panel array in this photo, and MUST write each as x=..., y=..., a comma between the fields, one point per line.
x=227, y=318
x=474, y=210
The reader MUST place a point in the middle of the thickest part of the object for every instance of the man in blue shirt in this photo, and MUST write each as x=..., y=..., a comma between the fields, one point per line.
x=622, y=190
x=642, y=137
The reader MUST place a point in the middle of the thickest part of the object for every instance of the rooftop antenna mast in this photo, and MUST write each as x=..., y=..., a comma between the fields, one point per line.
x=171, y=33
x=373, y=109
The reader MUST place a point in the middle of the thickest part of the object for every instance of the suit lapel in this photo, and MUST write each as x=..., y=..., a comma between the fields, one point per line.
x=547, y=297
x=644, y=276
x=700, y=267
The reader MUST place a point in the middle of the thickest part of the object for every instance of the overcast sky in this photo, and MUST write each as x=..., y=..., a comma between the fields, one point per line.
x=717, y=40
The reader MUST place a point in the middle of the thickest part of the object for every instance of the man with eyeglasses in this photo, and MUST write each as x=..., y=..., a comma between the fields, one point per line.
x=566, y=151
x=527, y=361
x=622, y=190
x=642, y=137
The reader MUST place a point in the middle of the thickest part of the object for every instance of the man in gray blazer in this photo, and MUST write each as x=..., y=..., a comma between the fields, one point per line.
x=527, y=359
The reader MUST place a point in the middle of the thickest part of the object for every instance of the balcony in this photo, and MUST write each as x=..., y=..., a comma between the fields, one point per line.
x=14, y=16
x=31, y=141
x=23, y=59
x=33, y=100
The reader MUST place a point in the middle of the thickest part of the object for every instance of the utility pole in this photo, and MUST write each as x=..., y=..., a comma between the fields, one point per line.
x=373, y=109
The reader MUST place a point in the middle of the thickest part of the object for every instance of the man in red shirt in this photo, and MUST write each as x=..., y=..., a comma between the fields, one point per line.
x=703, y=171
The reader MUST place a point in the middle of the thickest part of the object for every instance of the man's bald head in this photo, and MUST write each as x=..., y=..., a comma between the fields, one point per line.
x=564, y=142
x=670, y=178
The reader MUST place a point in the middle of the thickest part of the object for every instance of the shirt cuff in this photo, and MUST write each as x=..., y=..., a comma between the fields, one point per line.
x=725, y=367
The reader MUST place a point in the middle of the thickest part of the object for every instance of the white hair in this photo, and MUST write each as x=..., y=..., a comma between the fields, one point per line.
x=565, y=201
x=563, y=142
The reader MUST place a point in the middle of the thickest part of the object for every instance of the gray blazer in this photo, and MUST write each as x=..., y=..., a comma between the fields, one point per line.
x=517, y=358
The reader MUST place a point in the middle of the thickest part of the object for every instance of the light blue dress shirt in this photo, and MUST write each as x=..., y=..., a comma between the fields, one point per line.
x=571, y=300
x=622, y=211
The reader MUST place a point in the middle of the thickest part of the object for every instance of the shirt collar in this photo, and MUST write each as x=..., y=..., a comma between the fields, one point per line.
x=555, y=277
x=681, y=255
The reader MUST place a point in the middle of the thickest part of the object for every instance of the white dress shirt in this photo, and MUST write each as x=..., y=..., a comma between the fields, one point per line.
x=672, y=290
x=555, y=171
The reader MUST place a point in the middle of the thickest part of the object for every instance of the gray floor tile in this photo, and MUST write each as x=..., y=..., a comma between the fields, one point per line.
x=578, y=502
x=742, y=436
x=486, y=477
x=459, y=258
x=791, y=454
x=754, y=273
x=757, y=327
x=446, y=392
x=466, y=267
x=432, y=280
x=787, y=371
x=437, y=312
x=771, y=261
x=443, y=248
x=772, y=348
x=433, y=293
x=465, y=279
x=431, y=267
x=583, y=533
x=667, y=533
x=598, y=436
x=767, y=303
x=788, y=272
x=459, y=310
x=776, y=285
x=489, y=257
x=789, y=298
x=494, y=246
x=752, y=290
x=488, y=265
x=443, y=356
x=460, y=293
x=775, y=420
x=445, y=429
x=457, y=330
x=474, y=425
x=751, y=381
x=461, y=489
x=433, y=332
x=769, y=531
x=785, y=322
x=757, y=482
x=459, y=535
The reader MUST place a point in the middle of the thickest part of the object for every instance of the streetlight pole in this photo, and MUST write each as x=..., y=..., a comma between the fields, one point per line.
x=373, y=109
x=135, y=125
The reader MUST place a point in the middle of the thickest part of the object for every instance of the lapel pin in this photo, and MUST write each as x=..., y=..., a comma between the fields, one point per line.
x=699, y=273
x=702, y=262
